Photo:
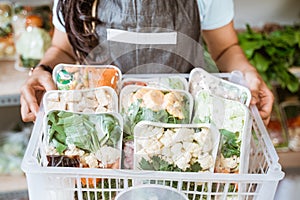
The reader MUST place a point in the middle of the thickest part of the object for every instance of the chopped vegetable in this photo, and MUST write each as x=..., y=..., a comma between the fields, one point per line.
x=154, y=105
x=164, y=148
x=77, y=77
x=95, y=138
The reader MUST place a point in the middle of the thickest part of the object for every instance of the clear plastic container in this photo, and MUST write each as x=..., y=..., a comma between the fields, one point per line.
x=200, y=79
x=78, y=77
x=7, y=48
x=277, y=129
x=82, y=140
x=233, y=120
x=33, y=30
x=259, y=181
x=163, y=82
x=150, y=192
x=94, y=100
x=138, y=103
x=175, y=147
x=291, y=115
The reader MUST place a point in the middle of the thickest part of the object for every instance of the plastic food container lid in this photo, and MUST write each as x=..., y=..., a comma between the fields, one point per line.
x=73, y=76
x=150, y=192
x=202, y=80
x=162, y=82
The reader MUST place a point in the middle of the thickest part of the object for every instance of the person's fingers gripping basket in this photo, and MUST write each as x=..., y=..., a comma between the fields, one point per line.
x=259, y=180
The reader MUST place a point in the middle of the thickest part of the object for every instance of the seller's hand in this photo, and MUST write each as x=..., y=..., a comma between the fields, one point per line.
x=32, y=92
x=262, y=96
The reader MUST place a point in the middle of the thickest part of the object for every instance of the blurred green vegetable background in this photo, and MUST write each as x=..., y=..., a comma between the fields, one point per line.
x=273, y=51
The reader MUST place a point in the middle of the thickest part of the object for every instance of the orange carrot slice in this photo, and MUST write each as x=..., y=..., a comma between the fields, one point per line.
x=109, y=77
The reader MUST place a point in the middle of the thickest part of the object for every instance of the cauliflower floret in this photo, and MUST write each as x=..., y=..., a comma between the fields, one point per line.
x=206, y=161
x=167, y=154
x=183, y=161
x=108, y=155
x=231, y=162
x=74, y=151
x=167, y=138
x=152, y=146
x=91, y=160
x=176, y=150
x=183, y=134
x=201, y=136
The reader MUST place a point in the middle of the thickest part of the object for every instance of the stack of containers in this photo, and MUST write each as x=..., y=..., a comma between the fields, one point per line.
x=157, y=115
x=162, y=123
x=82, y=126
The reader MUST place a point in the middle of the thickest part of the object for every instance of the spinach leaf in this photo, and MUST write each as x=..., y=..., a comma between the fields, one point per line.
x=230, y=144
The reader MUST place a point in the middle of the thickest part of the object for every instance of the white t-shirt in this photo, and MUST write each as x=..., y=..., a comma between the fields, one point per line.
x=213, y=14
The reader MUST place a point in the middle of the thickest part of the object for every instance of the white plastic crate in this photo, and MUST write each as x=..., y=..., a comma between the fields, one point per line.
x=54, y=183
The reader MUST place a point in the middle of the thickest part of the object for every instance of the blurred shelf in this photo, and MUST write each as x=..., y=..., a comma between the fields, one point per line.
x=11, y=81
x=290, y=159
x=13, y=187
x=12, y=183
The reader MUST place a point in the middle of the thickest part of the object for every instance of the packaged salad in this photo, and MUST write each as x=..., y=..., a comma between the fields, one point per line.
x=77, y=77
x=162, y=82
x=33, y=30
x=175, y=147
x=202, y=80
x=139, y=103
x=7, y=47
x=233, y=120
x=83, y=140
x=95, y=100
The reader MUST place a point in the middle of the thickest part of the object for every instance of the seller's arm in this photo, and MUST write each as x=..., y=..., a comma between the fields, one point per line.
x=41, y=80
x=223, y=46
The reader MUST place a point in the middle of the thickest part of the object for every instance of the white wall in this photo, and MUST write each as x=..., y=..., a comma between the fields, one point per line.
x=258, y=12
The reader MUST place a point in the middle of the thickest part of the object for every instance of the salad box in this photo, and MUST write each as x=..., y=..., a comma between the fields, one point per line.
x=175, y=147
x=199, y=79
x=95, y=100
x=77, y=77
x=232, y=119
x=139, y=103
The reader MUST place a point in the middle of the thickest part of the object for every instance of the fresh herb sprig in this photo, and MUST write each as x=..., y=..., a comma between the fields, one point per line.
x=156, y=163
x=230, y=143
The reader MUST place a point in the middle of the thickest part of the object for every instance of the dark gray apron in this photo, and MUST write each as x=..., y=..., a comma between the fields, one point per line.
x=165, y=34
